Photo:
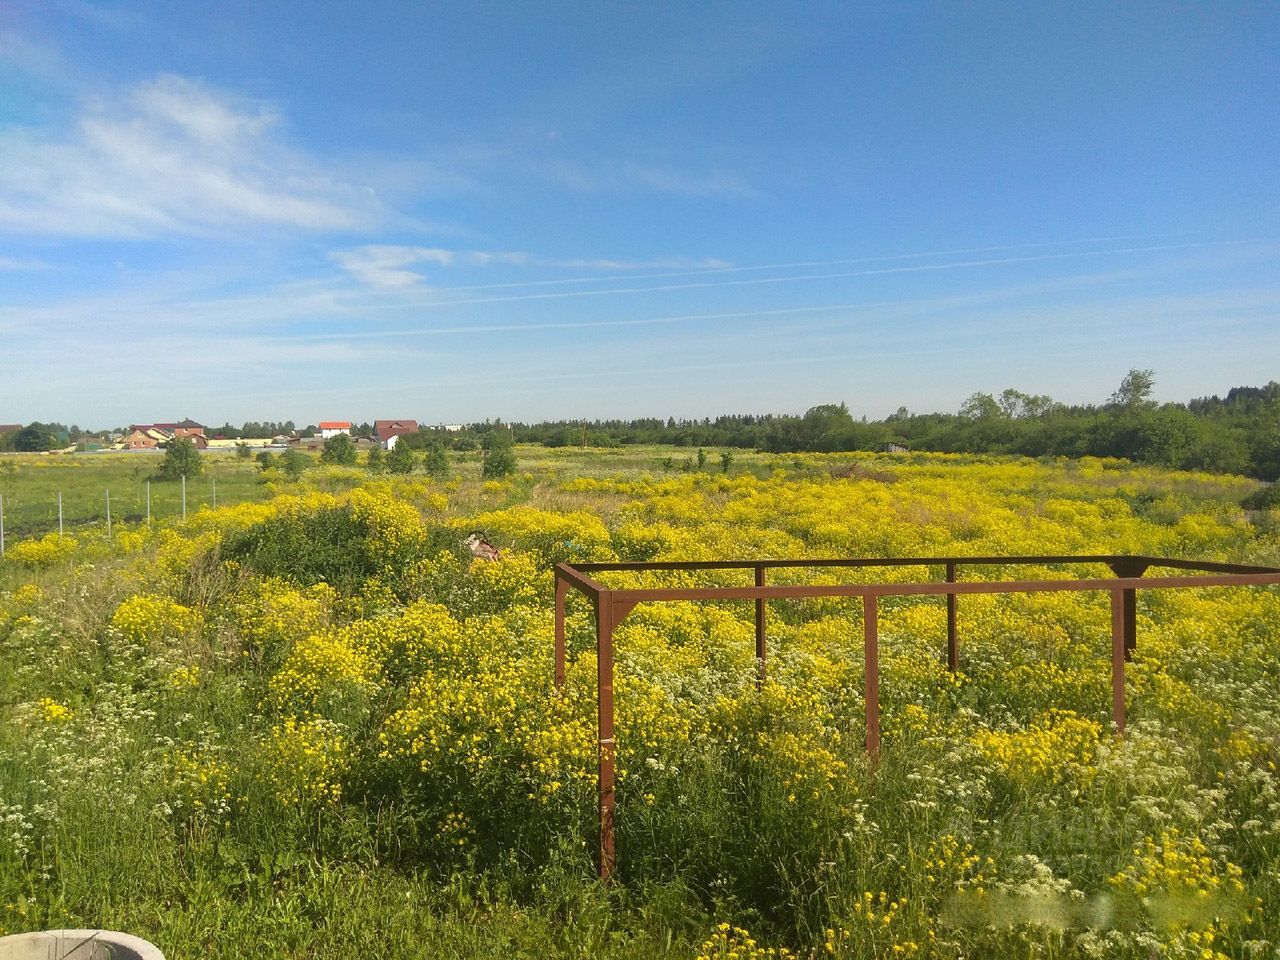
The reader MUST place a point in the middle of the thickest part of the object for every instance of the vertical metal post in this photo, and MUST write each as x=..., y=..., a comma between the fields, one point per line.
x=1, y=524
x=148, y=503
x=604, y=727
x=561, y=589
x=871, y=672
x=184, y=496
x=1130, y=622
x=762, y=650
x=59, y=513
x=1117, y=659
x=953, y=649
x=108, y=514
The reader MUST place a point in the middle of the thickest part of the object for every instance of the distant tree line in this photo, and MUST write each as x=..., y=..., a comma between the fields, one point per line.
x=1238, y=433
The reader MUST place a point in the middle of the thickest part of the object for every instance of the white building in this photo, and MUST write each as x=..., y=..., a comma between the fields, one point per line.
x=331, y=428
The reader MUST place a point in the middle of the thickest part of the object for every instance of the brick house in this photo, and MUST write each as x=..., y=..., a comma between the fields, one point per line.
x=388, y=431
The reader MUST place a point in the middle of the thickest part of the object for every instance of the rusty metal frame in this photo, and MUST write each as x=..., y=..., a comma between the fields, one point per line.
x=612, y=606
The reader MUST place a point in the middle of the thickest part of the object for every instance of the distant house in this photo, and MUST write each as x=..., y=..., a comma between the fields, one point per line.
x=6, y=428
x=452, y=427
x=144, y=438
x=388, y=431
x=331, y=428
x=894, y=448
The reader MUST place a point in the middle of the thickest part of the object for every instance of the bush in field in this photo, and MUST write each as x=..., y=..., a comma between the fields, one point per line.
x=294, y=463
x=374, y=536
x=375, y=462
x=339, y=450
x=436, y=461
x=500, y=460
x=181, y=459
x=401, y=459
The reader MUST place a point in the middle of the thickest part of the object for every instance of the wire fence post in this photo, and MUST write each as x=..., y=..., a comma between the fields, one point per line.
x=215, y=493
x=108, y=514
x=1, y=524
x=148, y=503
x=59, y=513
x=184, y=496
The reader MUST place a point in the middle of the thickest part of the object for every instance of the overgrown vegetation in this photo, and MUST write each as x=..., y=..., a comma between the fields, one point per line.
x=314, y=725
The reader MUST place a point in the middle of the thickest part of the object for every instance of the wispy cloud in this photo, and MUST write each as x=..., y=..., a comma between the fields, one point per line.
x=388, y=266
x=17, y=264
x=170, y=156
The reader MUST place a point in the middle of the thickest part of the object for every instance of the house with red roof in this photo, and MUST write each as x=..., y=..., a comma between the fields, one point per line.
x=388, y=431
x=331, y=428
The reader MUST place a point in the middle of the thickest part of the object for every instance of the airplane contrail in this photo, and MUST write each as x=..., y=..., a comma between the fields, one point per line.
x=931, y=267
x=797, y=264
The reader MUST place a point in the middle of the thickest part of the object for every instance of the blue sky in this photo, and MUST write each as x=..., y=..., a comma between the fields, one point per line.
x=459, y=211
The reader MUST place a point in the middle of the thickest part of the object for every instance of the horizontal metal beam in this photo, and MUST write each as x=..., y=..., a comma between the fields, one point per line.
x=641, y=566
x=935, y=589
x=579, y=581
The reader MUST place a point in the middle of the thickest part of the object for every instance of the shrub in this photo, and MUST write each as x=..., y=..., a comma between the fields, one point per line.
x=181, y=459
x=339, y=450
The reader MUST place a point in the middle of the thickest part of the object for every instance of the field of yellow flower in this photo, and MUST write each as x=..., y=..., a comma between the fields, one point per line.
x=315, y=727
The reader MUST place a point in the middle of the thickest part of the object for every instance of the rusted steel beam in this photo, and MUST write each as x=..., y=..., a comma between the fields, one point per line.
x=1131, y=568
x=606, y=743
x=953, y=649
x=562, y=588
x=871, y=673
x=935, y=589
x=761, y=646
x=1118, y=656
x=668, y=565
x=1209, y=566
x=578, y=580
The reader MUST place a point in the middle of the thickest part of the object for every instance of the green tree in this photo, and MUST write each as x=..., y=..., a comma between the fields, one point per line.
x=33, y=438
x=243, y=451
x=181, y=459
x=1134, y=390
x=702, y=458
x=726, y=460
x=265, y=460
x=436, y=460
x=340, y=450
x=294, y=462
x=401, y=459
x=374, y=461
x=501, y=458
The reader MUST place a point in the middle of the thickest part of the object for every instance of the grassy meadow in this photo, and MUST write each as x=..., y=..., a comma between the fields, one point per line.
x=308, y=724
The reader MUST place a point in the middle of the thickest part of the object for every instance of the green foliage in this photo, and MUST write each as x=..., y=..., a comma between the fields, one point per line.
x=294, y=462
x=375, y=461
x=33, y=438
x=181, y=459
x=1264, y=498
x=401, y=459
x=726, y=460
x=500, y=458
x=339, y=450
x=702, y=458
x=436, y=461
x=266, y=460
x=243, y=451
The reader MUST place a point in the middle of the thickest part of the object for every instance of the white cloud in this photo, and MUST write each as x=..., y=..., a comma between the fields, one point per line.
x=10, y=263
x=387, y=266
x=170, y=156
